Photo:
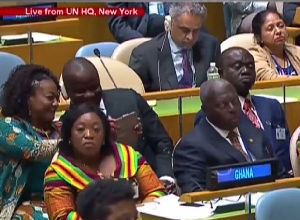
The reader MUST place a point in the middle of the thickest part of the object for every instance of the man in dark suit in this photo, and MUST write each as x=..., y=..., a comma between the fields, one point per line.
x=82, y=85
x=224, y=137
x=289, y=11
x=264, y=113
x=180, y=57
x=125, y=28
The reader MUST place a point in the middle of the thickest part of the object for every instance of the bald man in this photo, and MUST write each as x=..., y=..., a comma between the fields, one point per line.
x=224, y=137
x=82, y=85
x=265, y=113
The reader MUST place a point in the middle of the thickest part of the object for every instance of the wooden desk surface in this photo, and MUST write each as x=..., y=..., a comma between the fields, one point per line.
x=53, y=54
x=68, y=27
x=209, y=195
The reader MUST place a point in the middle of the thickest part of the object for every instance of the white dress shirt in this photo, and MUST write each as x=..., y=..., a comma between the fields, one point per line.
x=177, y=59
x=156, y=8
x=224, y=134
x=242, y=101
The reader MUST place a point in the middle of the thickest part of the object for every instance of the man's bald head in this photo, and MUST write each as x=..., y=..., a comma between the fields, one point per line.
x=81, y=81
x=220, y=103
x=239, y=69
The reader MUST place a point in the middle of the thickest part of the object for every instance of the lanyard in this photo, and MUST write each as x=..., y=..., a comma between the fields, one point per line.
x=281, y=71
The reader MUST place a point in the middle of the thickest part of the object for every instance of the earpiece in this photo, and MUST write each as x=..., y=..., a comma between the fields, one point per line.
x=167, y=23
x=64, y=93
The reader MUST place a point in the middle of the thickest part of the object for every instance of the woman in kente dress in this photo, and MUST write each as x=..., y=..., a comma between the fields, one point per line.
x=86, y=154
x=28, y=140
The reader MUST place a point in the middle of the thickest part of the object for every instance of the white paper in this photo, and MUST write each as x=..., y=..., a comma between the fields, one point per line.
x=37, y=37
x=279, y=98
x=169, y=207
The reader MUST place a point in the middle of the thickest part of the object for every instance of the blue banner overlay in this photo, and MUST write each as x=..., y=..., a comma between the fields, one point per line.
x=244, y=173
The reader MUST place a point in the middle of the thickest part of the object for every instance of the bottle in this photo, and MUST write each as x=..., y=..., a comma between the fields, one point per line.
x=212, y=72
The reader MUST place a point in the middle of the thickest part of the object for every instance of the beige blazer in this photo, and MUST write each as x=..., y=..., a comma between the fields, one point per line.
x=264, y=64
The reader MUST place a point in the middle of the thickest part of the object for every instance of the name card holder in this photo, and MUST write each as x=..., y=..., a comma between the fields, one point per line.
x=242, y=174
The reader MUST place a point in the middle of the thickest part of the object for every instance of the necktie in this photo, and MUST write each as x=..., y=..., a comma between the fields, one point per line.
x=250, y=113
x=233, y=137
x=187, y=78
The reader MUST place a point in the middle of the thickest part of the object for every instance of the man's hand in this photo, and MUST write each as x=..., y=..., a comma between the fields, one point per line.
x=169, y=184
x=113, y=128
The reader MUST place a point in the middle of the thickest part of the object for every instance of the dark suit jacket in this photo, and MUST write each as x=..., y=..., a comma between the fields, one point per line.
x=155, y=144
x=204, y=147
x=144, y=61
x=271, y=116
x=128, y=28
x=289, y=11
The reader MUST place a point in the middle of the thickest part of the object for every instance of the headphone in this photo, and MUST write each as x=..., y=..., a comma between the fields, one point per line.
x=63, y=90
x=167, y=23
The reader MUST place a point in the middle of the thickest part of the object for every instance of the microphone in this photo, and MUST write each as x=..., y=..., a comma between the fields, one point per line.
x=159, y=55
x=97, y=53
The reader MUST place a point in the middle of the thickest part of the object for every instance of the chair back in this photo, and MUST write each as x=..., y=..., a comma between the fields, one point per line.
x=245, y=40
x=123, y=76
x=293, y=152
x=8, y=62
x=123, y=52
x=106, y=49
x=280, y=204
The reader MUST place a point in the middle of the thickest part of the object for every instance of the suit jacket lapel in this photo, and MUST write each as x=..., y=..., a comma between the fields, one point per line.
x=110, y=104
x=262, y=114
x=249, y=139
x=166, y=67
x=221, y=143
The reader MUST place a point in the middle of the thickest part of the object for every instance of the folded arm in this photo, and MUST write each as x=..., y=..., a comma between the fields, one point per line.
x=149, y=185
x=189, y=167
x=59, y=197
x=17, y=139
x=119, y=26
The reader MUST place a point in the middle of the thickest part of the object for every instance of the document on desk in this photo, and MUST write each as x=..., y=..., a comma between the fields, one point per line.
x=37, y=37
x=169, y=207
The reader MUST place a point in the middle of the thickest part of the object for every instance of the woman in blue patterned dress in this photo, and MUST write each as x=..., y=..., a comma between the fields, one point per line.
x=28, y=140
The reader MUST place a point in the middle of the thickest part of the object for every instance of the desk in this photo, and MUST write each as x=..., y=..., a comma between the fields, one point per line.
x=53, y=55
x=168, y=111
x=167, y=104
x=237, y=215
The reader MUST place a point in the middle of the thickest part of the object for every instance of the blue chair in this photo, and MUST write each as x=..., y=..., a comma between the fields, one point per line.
x=8, y=62
x=106, y=49
x=280, y=204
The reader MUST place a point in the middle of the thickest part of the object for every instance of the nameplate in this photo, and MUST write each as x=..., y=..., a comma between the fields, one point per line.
x=242, y=174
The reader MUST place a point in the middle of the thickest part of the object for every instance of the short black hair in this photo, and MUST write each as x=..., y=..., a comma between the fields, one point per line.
x=71, y=117
x=259, y=20
x=19, y=87
x=94, y=201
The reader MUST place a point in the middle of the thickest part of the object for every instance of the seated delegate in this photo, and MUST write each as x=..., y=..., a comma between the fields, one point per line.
x=107, y=199
x=265, y=113
x=224, y=137
x=180, y=57
x=82, y=84
x=273, y=56
x=86, y=154
x=28, y=140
